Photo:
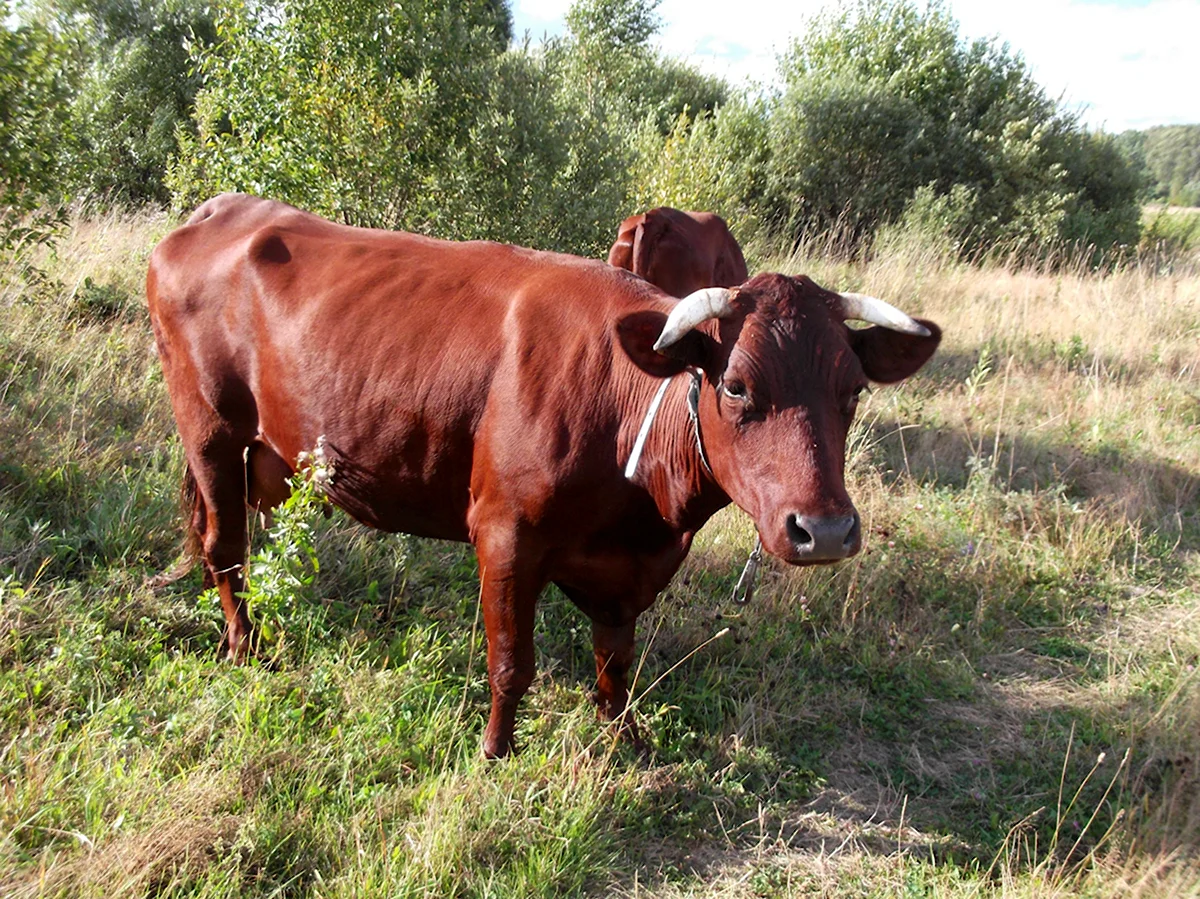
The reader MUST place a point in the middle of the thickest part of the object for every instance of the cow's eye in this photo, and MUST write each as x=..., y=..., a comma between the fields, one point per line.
x=735, y=390
x=852, y=402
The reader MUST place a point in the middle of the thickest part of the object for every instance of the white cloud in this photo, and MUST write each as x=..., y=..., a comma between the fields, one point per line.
x=754, y=33
x=1127, y=63
x=1129, y=66
x=538, y=17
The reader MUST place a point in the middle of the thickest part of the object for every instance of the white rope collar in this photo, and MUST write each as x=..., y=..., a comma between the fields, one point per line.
x=693, y=408
x=640, y=443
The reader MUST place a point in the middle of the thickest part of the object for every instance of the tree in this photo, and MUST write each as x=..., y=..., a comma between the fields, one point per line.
x=713, y=161
x=543, y=168
x=36, y=83
x=846, y=156
x=882, y=98
x=137, y=93
x=405, y=115
x=347, y=107
x=1172, y=154
x=610, y=55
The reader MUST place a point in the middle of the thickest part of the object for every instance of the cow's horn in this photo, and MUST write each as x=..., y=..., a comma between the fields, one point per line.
x=877, y=312
x=711, y=302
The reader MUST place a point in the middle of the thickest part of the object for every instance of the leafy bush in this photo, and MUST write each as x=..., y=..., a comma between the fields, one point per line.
x=137, y=92
x=715, y=161
x=934, y=226
x=544, y=166
x=96, y=302
x=1168, y=157
x=281, y=576
x=350, y=109
x=1103, y=211
x=1171, y=236
x=408, y=115
x=403, y=115
x=846, y=155
x=882, y=98
x=36, y=81
x=611, y=58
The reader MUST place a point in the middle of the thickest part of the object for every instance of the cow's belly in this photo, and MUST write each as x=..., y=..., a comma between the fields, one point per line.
x=423, y=511
x=394, y=487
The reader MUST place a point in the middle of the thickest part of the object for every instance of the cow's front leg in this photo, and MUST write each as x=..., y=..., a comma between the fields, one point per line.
x=613, y=648
x=509, y=596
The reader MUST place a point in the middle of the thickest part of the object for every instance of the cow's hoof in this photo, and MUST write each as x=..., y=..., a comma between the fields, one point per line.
x=497, y=744
x=498, y=750
x=627, y=731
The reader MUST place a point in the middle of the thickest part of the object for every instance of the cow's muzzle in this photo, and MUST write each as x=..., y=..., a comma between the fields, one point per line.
x=824, y=539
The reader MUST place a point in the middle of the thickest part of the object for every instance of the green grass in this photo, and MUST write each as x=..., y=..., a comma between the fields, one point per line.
x=997, y=697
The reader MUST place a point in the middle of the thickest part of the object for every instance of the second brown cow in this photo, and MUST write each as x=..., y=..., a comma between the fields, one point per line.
x=681, y=252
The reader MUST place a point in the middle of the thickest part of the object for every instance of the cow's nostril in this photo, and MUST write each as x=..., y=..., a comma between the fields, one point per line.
x=797, y=533
x=852, y=538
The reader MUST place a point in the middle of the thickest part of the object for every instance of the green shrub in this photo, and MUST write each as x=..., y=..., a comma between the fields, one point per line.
x=349, y=109
x=936, y=226
x=882, y=98
x=1171, y=235
x=715, y=161
x=611, y=58
x=846, y=154
x=137, y=92
x=36, y=81
x=544, y=167
x=405, y=116
x=1171, y=157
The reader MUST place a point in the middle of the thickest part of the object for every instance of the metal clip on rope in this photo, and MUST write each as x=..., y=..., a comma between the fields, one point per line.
x=743, y=592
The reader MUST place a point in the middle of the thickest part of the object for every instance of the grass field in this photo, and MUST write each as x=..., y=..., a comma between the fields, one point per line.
x=998, y=697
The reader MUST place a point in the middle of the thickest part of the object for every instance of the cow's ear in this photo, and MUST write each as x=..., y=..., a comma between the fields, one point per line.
x=638, y=333
x=888, y=356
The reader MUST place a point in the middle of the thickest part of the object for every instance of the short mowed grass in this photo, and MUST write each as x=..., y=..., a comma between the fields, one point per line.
x=997, y=697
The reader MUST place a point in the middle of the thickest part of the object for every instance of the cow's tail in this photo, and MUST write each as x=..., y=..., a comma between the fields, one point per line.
x=194, y=514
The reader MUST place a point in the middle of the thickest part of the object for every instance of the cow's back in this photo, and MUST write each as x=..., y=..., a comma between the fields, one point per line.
x=385, y=344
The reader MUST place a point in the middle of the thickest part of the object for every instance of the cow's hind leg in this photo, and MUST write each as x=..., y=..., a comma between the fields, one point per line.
x=267, y=482
x=220, y=475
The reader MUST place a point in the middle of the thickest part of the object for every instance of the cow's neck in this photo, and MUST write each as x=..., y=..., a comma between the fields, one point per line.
x=672, y=469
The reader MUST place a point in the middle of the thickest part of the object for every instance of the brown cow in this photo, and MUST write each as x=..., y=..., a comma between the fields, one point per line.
x=681, y=252
x=493, y=394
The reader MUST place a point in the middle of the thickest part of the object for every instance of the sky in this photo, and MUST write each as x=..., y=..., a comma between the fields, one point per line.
x=1122, y=63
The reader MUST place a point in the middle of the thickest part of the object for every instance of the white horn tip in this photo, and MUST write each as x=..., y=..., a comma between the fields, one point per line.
x=878, y=312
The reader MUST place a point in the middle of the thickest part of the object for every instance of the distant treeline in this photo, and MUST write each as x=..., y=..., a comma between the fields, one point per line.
x=1168, y=159
x=428, y=115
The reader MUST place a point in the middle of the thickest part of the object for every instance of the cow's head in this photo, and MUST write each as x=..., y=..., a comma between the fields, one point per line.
x=782, y=377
